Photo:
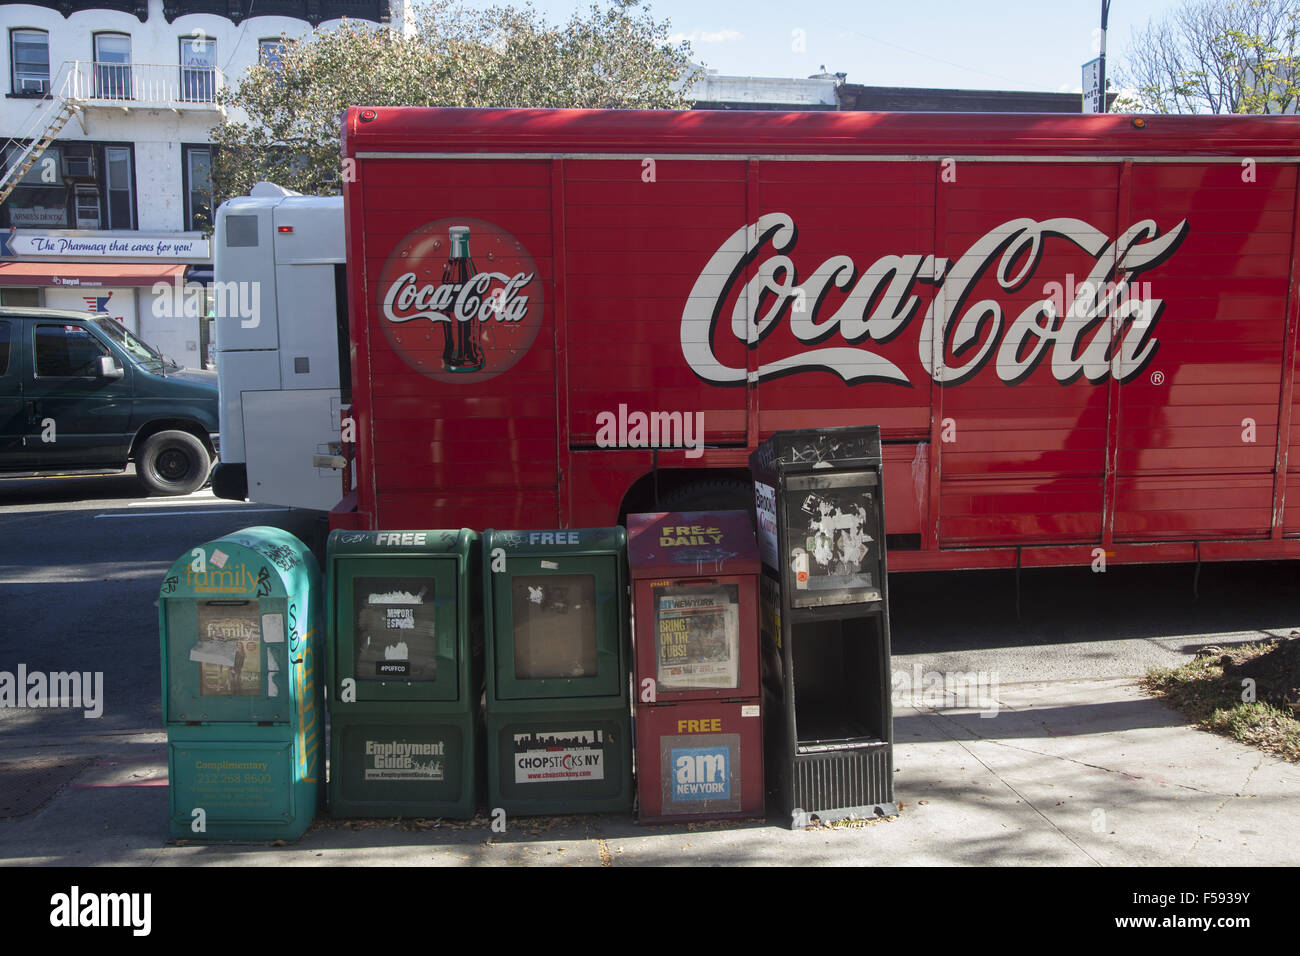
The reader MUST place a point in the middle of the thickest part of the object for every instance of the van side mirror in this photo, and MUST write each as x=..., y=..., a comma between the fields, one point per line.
x=108, y=367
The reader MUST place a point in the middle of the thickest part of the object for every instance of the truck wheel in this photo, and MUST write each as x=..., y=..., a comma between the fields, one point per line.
x=173, y=463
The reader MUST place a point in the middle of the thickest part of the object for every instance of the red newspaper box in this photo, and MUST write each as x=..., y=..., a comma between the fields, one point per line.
x=695, y=607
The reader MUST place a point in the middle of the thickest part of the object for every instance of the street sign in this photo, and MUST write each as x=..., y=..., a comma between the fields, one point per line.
x=1092, y=86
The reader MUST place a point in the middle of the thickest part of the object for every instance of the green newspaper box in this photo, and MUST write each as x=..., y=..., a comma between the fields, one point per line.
x=240, y=625
x=555, y=606
x=405, y=673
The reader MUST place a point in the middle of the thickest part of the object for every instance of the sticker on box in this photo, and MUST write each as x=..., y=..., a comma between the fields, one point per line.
x=273, y=628
x=559, y=756
x=700, y=774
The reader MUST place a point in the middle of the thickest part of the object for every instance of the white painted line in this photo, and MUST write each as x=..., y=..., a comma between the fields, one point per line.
x=193, y=498
x=181, y=503
x=193, y=514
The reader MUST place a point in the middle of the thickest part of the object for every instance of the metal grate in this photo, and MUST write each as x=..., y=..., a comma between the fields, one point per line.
x=27, y=785
x=858, y=779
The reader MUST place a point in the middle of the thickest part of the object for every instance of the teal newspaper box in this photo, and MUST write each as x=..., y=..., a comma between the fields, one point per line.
x=241, y=624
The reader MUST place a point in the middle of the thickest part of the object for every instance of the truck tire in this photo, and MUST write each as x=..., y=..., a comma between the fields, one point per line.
x=173, y=463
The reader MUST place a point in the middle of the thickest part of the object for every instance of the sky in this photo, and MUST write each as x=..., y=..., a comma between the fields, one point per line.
x=979, y=44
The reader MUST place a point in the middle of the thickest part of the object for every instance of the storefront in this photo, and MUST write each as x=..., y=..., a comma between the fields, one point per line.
x=144, y=282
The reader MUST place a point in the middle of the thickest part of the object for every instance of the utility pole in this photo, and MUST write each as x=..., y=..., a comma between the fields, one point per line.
x=1101, y=67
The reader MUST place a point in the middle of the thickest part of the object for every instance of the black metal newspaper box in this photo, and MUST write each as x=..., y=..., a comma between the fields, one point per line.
x=828, y=722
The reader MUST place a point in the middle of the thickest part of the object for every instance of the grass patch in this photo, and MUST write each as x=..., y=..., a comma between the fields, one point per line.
x=1209, y=691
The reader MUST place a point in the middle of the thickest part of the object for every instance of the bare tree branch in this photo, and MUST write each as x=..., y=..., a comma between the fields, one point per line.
x=1215, y=56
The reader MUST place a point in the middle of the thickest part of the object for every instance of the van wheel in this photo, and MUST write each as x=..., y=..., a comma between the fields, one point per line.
x=173, y=463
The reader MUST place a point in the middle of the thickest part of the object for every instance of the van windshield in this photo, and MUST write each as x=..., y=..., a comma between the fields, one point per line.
x=119, y=334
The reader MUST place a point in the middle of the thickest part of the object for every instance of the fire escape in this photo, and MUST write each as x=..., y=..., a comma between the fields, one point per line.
x=41, y=129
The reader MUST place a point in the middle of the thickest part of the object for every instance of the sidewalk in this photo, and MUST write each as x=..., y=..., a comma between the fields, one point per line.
x=1069, y=772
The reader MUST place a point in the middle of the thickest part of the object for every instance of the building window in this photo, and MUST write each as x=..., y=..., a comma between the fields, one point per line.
x=31, y=61
x=117, y=163
x=112, y=66
x=73, y=185
x=269, y=52
x=87, y=203
x=198, y=187
x=198, y=69
x=21, y=298
x=40, y=197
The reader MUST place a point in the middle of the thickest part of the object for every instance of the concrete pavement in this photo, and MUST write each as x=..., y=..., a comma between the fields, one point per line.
x=1068, y=772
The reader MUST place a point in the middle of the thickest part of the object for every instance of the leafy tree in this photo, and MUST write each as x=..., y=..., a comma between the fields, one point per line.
x=284, y=119
x=1215, y=56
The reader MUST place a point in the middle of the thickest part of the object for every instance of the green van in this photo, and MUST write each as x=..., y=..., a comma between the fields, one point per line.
x=79, y=394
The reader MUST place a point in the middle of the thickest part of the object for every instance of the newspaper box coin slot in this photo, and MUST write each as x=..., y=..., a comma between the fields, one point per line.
x=405, y=673
x=558, y=723
x=240, y=621
x=698, y=695
x=825, y=624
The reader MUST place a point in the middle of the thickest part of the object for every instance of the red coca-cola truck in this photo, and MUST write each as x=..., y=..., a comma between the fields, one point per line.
x=1077, y=333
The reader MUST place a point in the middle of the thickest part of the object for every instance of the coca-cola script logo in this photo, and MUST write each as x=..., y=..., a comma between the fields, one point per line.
x=1102, y=331
x=460, y=300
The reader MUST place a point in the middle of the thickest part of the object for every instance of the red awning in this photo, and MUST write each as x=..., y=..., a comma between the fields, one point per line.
x=88, y=274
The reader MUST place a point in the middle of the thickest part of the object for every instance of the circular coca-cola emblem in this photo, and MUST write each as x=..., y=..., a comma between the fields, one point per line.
x=460, y=300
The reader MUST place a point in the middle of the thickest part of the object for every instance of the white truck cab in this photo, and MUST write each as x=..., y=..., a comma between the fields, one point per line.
x=280, y=290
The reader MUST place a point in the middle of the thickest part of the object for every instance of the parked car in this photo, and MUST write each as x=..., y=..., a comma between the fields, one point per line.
x=79, y=394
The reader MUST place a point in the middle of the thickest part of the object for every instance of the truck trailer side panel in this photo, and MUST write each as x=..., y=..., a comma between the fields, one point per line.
x=1075, y=332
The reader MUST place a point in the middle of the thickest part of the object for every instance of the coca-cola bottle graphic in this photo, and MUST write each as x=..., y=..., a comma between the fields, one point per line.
x=461, y=351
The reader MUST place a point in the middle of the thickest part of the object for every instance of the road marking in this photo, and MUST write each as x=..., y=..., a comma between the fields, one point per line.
x=193, y=514
x=193, y=497
x=156, y=782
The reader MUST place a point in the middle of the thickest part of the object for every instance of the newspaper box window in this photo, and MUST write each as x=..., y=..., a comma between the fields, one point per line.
x=821, y=535
x=698, y=708
x=555, y=626
x=697, y=636
x=230, y=637
x=240, y=624
x=405, y=676
x=396, y=632
x=558, y=721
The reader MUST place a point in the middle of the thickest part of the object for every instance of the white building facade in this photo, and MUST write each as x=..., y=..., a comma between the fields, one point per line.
x=105, y=128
